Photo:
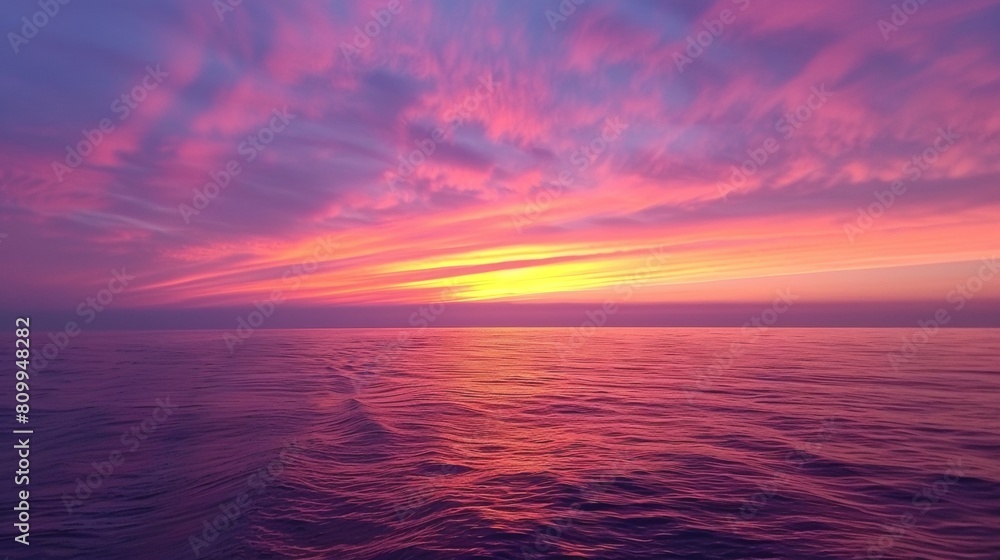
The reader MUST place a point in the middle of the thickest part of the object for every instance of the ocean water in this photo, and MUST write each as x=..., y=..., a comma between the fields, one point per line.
x=517, y=443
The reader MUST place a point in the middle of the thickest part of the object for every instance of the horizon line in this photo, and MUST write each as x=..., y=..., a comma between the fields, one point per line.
x=978, y=313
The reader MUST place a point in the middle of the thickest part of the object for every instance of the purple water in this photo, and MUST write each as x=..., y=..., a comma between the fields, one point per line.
x=518, y=443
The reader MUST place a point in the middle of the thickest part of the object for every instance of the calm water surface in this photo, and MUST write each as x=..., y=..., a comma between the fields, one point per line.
x=517, y=443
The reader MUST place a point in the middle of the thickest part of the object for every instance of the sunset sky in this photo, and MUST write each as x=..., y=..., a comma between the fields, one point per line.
x=498, y=151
